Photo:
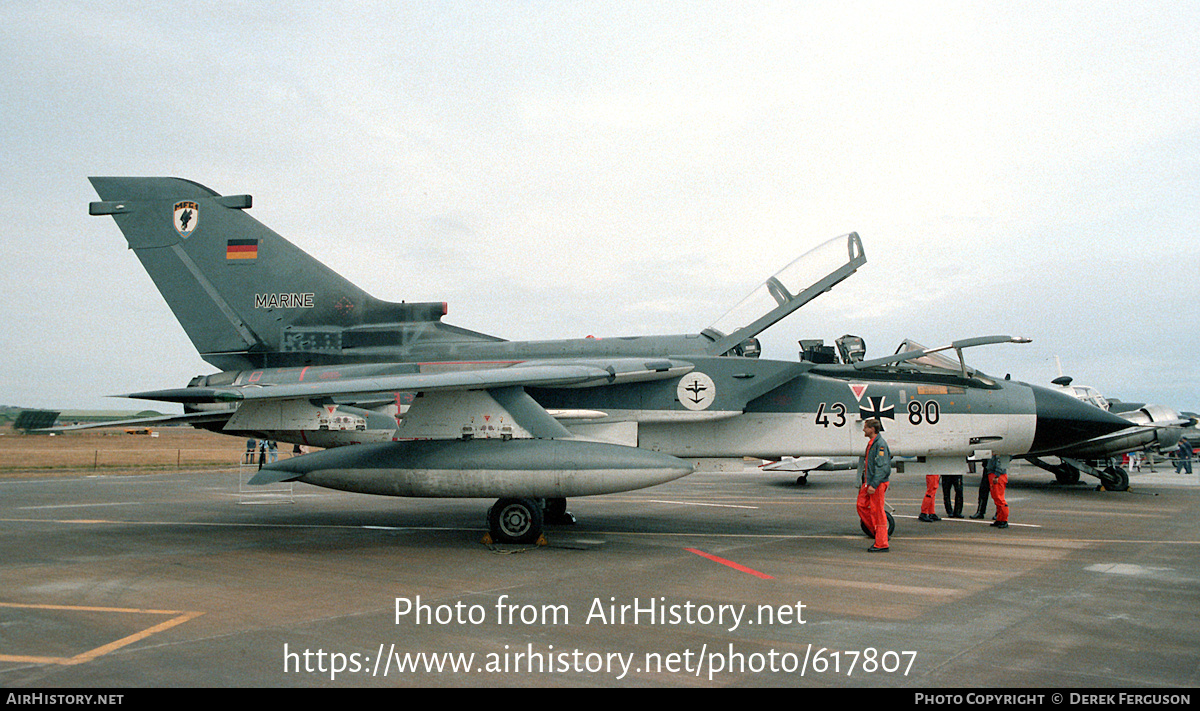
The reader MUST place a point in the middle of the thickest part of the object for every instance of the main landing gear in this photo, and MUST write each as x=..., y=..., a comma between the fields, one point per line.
x=520, y=520
x=1113, y=477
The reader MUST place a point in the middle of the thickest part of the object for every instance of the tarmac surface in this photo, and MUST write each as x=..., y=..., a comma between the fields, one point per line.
x=716, y=579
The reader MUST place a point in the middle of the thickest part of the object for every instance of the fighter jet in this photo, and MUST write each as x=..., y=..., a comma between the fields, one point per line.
x=1149, y=427
x=533, y=423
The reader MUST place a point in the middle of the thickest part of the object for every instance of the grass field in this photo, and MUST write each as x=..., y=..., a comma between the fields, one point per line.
x=112, y=450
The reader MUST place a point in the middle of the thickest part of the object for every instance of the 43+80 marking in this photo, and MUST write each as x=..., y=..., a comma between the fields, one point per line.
x=928, y=412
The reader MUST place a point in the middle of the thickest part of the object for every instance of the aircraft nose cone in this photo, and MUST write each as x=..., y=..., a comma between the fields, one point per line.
x=1062, y=421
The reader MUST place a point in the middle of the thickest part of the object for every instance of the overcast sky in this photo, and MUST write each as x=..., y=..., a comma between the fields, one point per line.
x=561, y=169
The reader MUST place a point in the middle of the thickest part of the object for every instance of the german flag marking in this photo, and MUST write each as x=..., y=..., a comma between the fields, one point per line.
x=241, y=249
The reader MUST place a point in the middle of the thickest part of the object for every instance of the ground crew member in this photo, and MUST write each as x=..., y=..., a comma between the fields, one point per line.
x=1135, y=461
x=1183, y=453
x=876, y=468
x=996, y=471
x=984, y=489
x=954, y=481
x=927, y=504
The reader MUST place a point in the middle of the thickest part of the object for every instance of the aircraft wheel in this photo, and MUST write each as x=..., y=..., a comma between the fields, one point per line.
x=515, y=521
x=891, y=526
x=1070, y=476
x=1116, y=479
x=556, y=513
x=802, y=480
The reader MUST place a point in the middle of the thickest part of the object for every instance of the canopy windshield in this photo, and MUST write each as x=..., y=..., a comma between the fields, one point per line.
x=1088, y=395
x=812, y=274
x=933, y=361
x=927, y=360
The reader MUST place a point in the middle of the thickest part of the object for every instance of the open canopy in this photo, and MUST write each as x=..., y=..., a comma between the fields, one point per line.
x=810, y=275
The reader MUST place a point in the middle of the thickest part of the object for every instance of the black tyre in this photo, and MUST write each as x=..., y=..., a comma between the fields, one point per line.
x=869, y=534
x=515, y=521
x=1115, y=479
x=1070, y=476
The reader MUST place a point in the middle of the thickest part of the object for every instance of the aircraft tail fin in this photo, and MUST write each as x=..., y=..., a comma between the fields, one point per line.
x=246, y=297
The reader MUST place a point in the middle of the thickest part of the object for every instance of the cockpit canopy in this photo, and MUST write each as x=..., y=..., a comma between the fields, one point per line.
x=1089, y=395
x=806, y=278
x=927, y=360
x=934, y=361
x=911, y=358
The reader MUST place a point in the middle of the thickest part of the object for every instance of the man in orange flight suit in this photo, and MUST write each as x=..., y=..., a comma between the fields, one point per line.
x=927, y=507
x=996, y=470
x=876, y=467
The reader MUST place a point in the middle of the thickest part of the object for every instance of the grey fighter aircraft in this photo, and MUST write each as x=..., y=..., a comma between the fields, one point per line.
x=533, y=423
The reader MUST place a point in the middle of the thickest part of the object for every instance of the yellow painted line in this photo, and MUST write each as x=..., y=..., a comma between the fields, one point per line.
x=33, y=660
x=98, y=651
x=82, y=608
x=180, y=617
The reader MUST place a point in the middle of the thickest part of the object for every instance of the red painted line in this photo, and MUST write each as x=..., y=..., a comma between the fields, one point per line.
x=730, y=563
x=301, y=380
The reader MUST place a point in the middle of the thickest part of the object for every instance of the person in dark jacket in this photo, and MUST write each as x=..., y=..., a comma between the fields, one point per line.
x=984, y=490
x=1183, y=457
x=876, y=468
x=953, y=482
